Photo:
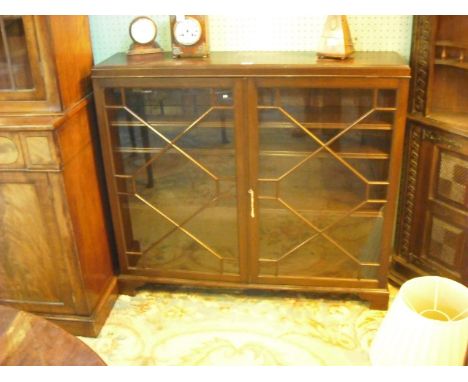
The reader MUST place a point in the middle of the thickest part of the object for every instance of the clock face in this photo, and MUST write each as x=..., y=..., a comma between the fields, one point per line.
x=143, y=30
x=187, y=31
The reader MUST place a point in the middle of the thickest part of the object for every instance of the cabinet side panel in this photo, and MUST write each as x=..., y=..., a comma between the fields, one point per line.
x=85, y=204
x=73, y=56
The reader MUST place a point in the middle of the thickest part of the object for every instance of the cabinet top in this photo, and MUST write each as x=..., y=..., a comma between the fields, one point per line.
x=227, y=64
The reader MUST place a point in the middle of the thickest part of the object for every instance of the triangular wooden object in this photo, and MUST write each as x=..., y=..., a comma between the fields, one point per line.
x=336, y=39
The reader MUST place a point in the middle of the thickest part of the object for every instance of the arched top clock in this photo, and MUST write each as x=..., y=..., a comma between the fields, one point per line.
x=143, y=32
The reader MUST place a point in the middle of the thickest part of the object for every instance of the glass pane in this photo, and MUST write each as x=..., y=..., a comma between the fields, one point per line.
x=387, y=98
x=312, y=106
x=372, y=144
x=317, y=257
x=323, y=178
x=5, y=75
x=445, y=242
x=15, y=70
x=359, y=237
x=113, y=96
x=179, y=252
x=346, y=247
x=280, y=230
x=174, y=154
x=371, y=169
x=323, y=184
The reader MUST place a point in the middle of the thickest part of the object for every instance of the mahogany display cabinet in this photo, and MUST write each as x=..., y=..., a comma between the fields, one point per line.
x=432, y=237
x=254, y=170
x=55, y=257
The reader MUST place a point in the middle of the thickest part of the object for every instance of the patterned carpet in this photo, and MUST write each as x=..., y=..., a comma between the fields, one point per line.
x=176, y=327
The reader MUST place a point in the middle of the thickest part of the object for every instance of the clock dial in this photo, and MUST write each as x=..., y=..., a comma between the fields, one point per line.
x=143, y=30
x=188, y=31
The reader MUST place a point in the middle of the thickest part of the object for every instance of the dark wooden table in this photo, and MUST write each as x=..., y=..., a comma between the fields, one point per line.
x=29, y=340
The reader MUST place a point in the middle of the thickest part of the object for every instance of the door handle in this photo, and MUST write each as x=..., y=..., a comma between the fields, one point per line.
x=252, y=203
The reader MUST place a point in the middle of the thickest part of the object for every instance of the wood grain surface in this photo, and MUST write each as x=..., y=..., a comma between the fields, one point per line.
x=28, y=340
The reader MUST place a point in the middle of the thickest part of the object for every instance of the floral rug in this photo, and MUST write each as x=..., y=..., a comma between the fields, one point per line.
x=184, y=327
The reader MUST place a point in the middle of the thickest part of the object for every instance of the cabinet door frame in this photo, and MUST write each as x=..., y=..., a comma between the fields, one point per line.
x=337, y=82
x=241, y=168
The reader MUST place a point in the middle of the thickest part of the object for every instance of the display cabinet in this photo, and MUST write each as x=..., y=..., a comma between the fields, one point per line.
x=55, y=257
x=432, y=238
x=254, y=170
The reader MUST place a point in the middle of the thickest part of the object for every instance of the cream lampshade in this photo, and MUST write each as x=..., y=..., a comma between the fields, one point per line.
x=427, y=324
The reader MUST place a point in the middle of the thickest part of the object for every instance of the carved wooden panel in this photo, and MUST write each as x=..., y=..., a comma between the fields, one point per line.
x=39, y=150
x=10, y=151
x=445, y=243
x=420, y=62
x=408, y=190
x=33, y=272
x=28, y=150
x=453, y=178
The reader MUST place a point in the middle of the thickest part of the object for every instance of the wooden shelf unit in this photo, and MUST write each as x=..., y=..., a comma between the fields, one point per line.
x=432, y=234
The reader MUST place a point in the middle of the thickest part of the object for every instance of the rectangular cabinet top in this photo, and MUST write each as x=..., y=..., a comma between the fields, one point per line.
x=244, y=64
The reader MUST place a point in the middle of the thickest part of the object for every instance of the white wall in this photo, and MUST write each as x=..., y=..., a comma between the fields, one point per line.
x=272, y=33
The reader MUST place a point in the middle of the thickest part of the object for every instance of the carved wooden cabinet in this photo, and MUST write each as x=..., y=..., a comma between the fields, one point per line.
x=55, y=258
x=255, y=171
x=432, y=237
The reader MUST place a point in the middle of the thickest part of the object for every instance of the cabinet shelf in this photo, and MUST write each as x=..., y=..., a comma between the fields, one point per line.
x=454, y=119
x=335, y=214
x=266, y=125
x=452, y=62
x=451, y=44
x=371, y=154
x=311, y=213
x=365, y=153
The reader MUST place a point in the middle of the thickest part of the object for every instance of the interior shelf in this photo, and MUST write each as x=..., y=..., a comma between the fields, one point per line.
x=452, y=62
x=453, y=118
x=266, y=125
x=368, y=152
x=332, y=214
x=452, y=44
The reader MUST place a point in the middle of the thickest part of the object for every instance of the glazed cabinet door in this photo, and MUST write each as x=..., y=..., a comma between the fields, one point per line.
x=37, y=272
x=20, y=62
x=173, y=151
x=324, y=155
